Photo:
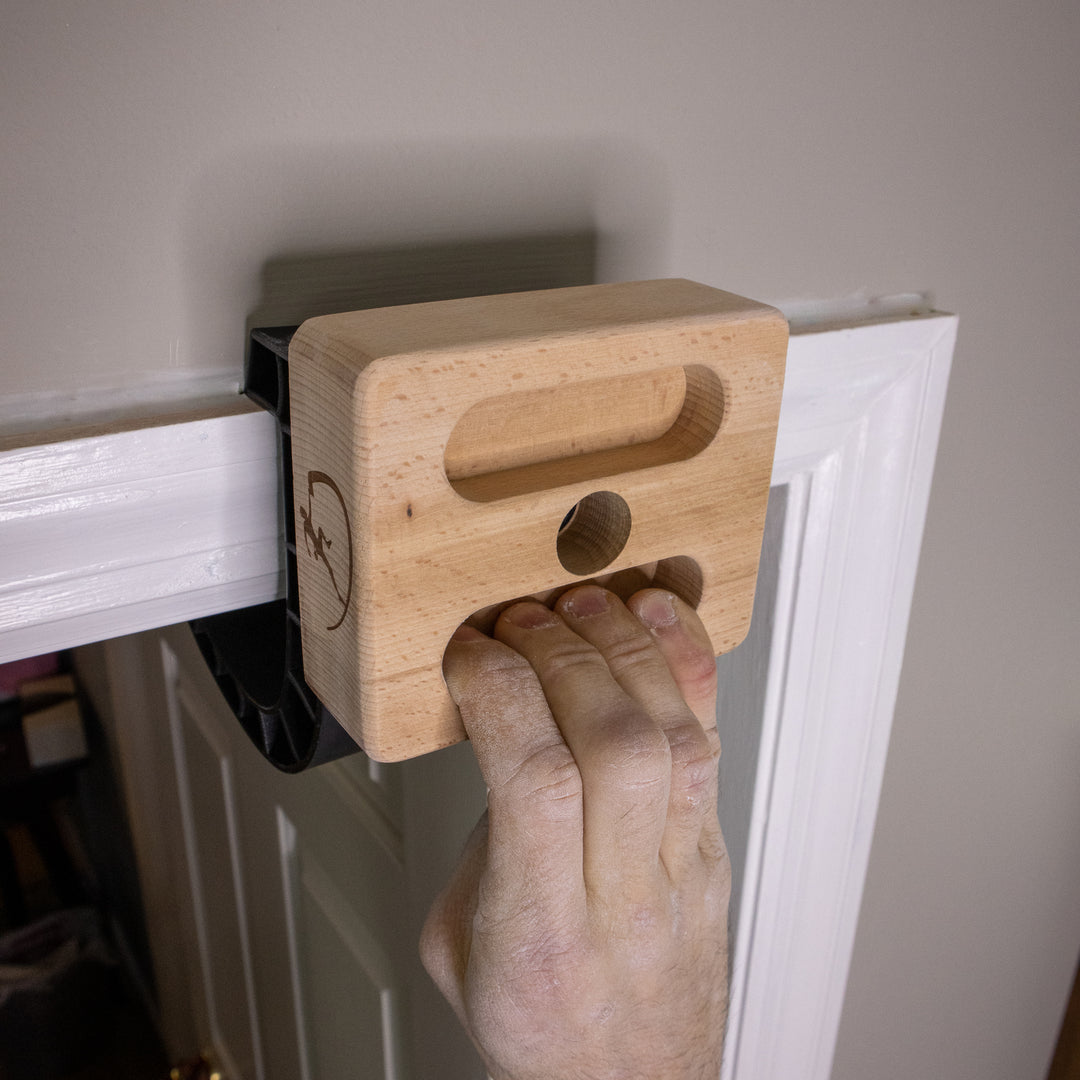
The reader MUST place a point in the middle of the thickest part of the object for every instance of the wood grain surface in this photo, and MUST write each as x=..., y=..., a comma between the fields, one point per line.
x=450, y=457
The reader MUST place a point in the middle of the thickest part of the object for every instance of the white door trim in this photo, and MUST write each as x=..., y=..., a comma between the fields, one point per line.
x=114, y=532
x=858, y=436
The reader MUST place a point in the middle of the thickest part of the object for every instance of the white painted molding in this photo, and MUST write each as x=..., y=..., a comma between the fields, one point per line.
x=858, y=436
x=113, y=533
x=120, y=531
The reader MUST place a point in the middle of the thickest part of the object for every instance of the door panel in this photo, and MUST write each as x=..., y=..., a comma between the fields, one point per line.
x=304, y=937
x=206, y=793
x=347, y=994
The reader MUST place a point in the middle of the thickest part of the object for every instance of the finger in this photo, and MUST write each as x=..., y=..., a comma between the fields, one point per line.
x=446, y=938
x=534, y=789
x=628, y=649
x=621, y=754
x=684, y=643
x=642, y=671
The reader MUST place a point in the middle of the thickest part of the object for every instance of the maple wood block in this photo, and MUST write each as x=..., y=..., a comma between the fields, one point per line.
x=452, y=456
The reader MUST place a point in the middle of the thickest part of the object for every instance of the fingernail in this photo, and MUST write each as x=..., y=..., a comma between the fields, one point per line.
x=585, y=601
x=465, y=632
x=530, y=616
x=657, y=609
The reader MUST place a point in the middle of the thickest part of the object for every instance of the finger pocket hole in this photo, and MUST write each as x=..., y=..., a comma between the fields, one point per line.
x=593, y=533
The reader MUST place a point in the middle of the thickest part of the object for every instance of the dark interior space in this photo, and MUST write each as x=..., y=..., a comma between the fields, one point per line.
x=75, y=975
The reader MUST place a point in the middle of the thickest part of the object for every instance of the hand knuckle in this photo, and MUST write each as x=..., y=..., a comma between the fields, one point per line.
x=630, y=652
x=546, y=782
x=635, y=753
x=567, y=658
x=694, y=760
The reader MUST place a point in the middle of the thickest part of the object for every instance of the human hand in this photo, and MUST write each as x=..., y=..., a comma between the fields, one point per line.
x=584, y=931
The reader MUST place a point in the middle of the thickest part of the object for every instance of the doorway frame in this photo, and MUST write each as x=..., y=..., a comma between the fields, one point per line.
x=144, y=522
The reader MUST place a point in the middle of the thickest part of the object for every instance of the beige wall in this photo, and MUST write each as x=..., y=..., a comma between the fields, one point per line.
x=158, y=157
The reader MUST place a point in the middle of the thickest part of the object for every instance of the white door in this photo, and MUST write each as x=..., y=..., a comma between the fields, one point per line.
x=300, y=893
x=285, y=910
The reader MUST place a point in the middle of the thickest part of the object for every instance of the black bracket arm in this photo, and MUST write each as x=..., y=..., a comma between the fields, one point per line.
x=254, y=653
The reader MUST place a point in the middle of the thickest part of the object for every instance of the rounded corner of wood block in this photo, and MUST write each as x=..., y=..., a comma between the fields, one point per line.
x=731, y=634
x=779, y=320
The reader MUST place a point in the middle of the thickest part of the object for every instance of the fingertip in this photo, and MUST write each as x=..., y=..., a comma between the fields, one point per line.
x=584, y=601
x=655, y=608
x=684, y=643
x=525, y=615
x=672, y=623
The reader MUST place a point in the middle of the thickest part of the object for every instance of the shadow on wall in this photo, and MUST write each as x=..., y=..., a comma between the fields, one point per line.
x=273, y=235
x=298, y=287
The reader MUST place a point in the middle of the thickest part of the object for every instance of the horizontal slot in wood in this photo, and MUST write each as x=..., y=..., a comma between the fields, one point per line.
x=541, y=439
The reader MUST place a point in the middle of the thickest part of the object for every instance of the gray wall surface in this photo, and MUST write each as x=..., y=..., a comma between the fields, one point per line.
x=162, y=162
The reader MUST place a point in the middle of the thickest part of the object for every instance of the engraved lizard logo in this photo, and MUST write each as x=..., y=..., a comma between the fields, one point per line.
x=318, y=544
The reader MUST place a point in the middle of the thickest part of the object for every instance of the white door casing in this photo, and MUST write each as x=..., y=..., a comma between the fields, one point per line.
x=114, y=533
x=858, y=435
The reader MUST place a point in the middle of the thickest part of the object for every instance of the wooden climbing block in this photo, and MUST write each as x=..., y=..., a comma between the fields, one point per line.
x=451, y=457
